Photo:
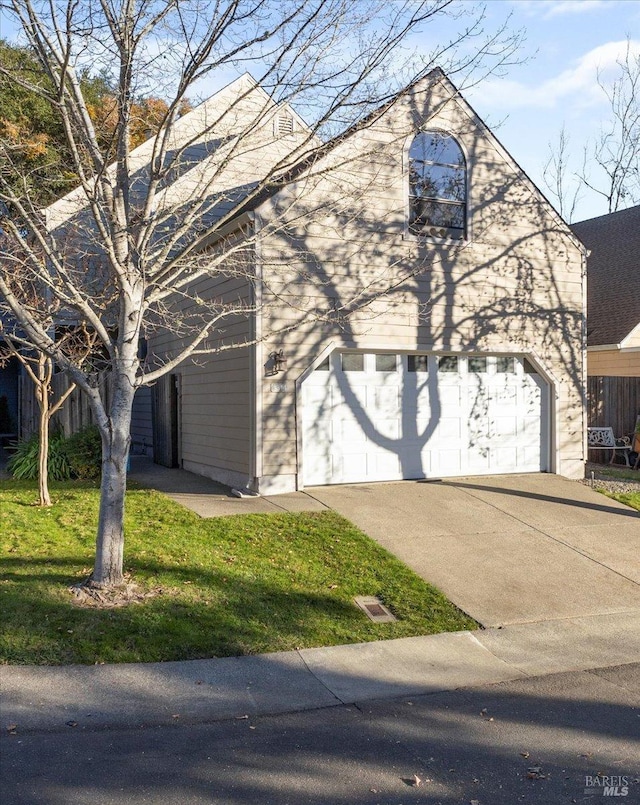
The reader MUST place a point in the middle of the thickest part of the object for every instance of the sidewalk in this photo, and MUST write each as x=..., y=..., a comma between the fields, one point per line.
x=209, y=498
x=203, y=691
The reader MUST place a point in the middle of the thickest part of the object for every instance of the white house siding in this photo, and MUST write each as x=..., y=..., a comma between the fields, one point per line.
x=215, y=391
x=515, y=286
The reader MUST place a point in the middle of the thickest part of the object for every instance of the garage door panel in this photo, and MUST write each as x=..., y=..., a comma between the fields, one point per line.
x=530, y=428
x=351, y=435
x=449, y=429
x=479, y=459
x=506, y=396
x=448, y=462
x=384, y=425
x=504, y=428
x=388, y=428
x=504, y=457
x=386, y=401
x=352, y=468
x=385, y=464
x=450, y=396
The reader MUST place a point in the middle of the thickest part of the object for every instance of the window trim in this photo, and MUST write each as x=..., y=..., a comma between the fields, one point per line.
x=432, y=232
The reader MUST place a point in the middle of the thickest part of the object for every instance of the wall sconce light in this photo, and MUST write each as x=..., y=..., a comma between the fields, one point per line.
x=279, y=361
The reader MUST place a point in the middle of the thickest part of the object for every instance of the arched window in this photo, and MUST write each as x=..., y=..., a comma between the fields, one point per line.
x=437, y=186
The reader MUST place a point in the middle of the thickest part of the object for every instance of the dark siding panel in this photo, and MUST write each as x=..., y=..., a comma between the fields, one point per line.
x=165, y=421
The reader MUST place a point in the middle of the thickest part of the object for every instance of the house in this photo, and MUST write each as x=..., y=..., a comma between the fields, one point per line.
x=613, y=292
x=9, y=392
x=413, y=307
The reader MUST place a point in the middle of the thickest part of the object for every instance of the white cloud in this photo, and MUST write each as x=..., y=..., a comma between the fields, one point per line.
x=555, y=8
x=577, y=85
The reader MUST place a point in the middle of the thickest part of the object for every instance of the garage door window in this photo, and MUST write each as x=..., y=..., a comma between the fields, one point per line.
x=506, y=365
x=352, y=362
x=478, y=366
x=417, y=363
x=448, y=363
x=386, y=363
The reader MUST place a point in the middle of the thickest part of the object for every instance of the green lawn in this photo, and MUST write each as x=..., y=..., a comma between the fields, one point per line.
x=229, y=586
x=630, y=498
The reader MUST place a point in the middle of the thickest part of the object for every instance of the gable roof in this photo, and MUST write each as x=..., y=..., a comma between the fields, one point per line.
x=613, y=275
x=208, y=132
x=240, y=112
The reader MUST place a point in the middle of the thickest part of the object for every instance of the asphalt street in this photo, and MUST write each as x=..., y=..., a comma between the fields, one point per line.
x=546, y=740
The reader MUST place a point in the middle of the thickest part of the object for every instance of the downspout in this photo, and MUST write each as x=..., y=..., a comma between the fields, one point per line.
x=585, y=378
x=257, y=362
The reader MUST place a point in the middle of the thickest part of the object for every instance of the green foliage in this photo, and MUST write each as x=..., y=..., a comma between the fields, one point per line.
x=79, y=456
x=30, y=130
x=84, y=453
x=23, y=464
x=223, y=586
x=32, y=133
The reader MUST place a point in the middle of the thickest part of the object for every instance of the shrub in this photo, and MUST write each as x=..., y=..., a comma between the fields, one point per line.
x=23, y=464
x=84, y=453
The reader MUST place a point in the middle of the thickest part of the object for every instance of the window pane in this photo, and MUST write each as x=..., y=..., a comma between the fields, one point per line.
x=433, y=213
x=436, y=146
x=417, y=363
x=438, y=181
x=507, y=365
x=448, y=363
x=324, y=366
x=385, y=363
x=352, y=362
x=478, y=365
x=529, y=368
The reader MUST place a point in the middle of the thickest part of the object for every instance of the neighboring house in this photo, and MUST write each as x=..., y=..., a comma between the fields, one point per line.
x=10, y=371
x=470, y=357
x=613, y=292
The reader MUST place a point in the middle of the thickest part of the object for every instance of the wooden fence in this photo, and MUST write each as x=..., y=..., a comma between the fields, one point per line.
x=613, y=402
x=74, y=415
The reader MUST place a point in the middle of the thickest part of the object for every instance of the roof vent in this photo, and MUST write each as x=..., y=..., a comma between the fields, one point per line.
x=284, y=124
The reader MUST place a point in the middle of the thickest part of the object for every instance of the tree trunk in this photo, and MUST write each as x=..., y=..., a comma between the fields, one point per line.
x=43, y=451
x=108, y=568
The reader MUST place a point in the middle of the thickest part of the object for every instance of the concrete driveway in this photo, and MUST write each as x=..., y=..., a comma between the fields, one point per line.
x=505, y=549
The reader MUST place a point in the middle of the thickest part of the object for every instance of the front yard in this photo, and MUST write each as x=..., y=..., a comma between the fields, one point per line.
x=618, y=483
x=221, y=587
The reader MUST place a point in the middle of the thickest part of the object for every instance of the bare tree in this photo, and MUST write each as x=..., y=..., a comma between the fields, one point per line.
x=563, y=186
x=610, y=163
x=616, y=152
x=130, y=252
x=40, y=369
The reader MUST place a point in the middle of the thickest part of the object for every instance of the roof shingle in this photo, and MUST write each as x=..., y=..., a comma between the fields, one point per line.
x=613, y=274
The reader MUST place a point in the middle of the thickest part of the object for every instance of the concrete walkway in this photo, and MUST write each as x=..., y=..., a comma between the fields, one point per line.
x=203, y=691
x=209, y=498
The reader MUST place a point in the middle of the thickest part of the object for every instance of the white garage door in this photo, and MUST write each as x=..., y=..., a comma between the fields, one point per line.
x=383, y=417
